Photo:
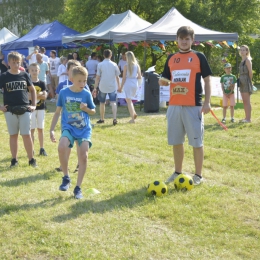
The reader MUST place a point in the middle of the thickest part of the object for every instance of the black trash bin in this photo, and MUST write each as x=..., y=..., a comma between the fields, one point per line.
x=151, y=92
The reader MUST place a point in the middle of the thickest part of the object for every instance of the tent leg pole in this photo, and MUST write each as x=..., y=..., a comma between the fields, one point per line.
x=144, y=65
x=237, y=69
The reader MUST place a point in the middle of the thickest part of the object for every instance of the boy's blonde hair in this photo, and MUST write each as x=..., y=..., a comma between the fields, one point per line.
x=14, y=55
x=79, y=70
x=72, y=63
x=62, y=58
x=34, y=65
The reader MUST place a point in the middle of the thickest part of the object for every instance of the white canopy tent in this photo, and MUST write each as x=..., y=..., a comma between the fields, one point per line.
x=6, y=36
x=126, y=22
x=166, y=29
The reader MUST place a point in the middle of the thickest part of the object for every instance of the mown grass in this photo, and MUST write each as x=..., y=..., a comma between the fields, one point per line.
x=217, y=220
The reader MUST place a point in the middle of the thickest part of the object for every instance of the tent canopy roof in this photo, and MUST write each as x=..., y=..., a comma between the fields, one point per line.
x=6, y=36
x=46, y=35
x=166, y=29
x=124, y=22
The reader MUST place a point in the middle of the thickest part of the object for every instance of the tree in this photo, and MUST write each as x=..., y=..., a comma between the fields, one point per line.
x=227, y=16
x=83, y=15
x=25, y=14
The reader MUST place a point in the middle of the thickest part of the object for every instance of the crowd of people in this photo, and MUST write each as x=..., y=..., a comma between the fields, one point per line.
x=28, y=82
x=72, y=84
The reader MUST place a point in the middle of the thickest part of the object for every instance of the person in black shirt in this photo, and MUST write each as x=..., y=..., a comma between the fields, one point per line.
x=3, y=65
x=39, y=113
x=16, y=84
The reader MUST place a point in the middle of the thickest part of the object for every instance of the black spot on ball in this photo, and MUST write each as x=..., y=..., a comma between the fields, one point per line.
x=156, y=183
x=163, y=190
x=181, y=180
x=153, y=192
x=190, y=182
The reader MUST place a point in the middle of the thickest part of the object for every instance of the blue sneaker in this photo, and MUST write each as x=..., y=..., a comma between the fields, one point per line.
x=77, y=193
x=65, y=183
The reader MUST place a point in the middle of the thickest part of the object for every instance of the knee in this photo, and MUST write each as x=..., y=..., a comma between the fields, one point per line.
x=83, y=158
x=63, y=145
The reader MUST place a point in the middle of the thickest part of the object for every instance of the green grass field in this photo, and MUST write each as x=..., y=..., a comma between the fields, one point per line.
x=218, y=220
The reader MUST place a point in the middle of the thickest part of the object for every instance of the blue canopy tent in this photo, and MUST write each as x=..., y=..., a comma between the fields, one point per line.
x=47, y=35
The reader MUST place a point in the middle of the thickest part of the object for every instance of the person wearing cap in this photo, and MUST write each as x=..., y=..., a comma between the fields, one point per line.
x=228, y=81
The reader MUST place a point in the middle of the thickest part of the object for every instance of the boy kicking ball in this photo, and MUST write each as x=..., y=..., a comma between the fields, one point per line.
x=76, y=105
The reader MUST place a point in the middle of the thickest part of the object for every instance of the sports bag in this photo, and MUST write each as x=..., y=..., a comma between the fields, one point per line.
x=18, y=110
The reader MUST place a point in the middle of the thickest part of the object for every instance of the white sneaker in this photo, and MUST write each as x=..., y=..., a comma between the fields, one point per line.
x=197, y=180
x=172, y=177
x=53, y=100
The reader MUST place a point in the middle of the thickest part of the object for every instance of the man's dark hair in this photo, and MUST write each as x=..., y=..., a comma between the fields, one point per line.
x=93, y=55
x=107, y=53
x=185, y=31
x=54, y=52
x=42, y=49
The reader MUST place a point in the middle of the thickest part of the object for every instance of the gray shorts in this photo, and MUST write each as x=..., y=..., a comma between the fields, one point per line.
x=17, y=123
x=184, y=120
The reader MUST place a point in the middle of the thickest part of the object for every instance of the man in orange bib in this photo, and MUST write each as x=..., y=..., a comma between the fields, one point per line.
x=184, y=70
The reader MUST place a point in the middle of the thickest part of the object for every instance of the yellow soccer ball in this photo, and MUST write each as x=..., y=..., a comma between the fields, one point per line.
x=157, y=188
x=183, y=183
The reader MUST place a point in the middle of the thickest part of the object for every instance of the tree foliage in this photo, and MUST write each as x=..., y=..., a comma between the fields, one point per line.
x=83, y=15
x=25, y=14
x=227, y=16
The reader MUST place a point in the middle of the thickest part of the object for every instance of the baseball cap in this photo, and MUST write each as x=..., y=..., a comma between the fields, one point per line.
x=227, y=65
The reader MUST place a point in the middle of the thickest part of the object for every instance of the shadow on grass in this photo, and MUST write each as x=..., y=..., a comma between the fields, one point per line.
x=26, y=180
x=218, y=127
x=9, y=208
x=126, y=200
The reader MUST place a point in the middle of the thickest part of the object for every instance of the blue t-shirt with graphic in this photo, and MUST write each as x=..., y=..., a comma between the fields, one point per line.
x=73, y=118
x=65, y=84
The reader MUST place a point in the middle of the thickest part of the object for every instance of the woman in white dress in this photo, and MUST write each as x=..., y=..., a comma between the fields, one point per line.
x=131, y=75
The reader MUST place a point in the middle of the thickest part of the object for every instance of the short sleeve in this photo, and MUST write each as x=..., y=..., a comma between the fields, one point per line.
x=43, y=86
x=117, y=71
x=235, y=79
x=99, y=69
x=28, y=80
x=59, y=102
x=1, y=81
x=204, y=65
x=166, y=71
x=58, y=89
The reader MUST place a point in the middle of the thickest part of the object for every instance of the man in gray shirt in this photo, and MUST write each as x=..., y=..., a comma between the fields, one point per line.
x=108, y=79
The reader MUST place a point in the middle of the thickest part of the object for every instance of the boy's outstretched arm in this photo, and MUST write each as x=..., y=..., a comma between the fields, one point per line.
x=53, y=123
